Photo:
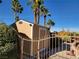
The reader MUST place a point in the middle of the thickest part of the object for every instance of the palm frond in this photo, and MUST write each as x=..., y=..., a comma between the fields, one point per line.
x=51, y=22
x=16, y=6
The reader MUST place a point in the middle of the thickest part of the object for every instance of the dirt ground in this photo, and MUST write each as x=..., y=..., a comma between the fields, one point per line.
x=63, y=55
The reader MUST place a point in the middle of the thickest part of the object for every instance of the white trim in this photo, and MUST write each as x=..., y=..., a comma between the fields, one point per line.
x=26, y=22
x=32, y=43
x=38, y=52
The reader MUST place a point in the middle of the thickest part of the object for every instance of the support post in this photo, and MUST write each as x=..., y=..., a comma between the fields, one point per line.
x=21, y=56
x=38, y=53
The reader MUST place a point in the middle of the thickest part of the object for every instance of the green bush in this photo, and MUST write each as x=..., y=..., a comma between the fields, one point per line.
x=66, y=38
x=8, y=39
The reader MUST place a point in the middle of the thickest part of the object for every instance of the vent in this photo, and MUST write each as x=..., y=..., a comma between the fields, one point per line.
x=20, y=22
x=30, y=24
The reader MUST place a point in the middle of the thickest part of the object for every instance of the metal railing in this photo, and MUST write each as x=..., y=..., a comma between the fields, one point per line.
x=47, y=46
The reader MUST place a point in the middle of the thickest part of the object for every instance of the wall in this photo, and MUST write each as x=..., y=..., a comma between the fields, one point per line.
x=25, y=28
x=40, y=33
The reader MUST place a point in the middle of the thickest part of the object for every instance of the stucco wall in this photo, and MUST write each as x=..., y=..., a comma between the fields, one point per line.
x=34, y=32
x=43, y=32
x=27, y=47
x=40, y=33
x=25, y=28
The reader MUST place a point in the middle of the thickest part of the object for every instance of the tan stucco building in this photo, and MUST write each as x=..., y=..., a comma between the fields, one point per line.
x=32, y=33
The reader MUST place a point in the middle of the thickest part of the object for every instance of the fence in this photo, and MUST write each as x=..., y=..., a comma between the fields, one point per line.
x=43, y=49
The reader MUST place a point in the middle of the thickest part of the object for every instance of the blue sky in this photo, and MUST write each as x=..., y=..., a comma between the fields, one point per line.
x=65, y=13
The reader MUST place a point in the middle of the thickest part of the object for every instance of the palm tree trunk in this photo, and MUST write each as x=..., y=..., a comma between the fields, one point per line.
x=44, y=20
x=35, y=17
x=38, y=16
x=49, y=27
x=16, y=17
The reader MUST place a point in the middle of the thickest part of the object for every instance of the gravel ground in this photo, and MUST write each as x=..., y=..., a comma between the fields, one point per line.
x=62, y=55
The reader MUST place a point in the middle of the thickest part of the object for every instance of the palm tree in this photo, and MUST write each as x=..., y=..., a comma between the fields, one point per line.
x=40, y=3
x=17, y=8
x=36, y=9
x=50, y=23
x=45, y=13
x=33, y=4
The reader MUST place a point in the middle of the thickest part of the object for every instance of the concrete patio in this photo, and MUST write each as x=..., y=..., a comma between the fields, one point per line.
x=62, y=55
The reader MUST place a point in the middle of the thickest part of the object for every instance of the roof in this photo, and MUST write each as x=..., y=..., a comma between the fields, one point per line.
x=14, y=25
x=26, y=21
x=33, y=23
x=21, y=34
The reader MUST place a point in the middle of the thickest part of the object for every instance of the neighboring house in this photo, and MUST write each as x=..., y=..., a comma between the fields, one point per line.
x=31, y=32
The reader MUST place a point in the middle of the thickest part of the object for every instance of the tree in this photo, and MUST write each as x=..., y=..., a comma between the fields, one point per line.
x=36, y=4
x=50, y=23
x=8, y=39
x=17, y=8
x=40, y=3
x=45, y=13
x=66, y=38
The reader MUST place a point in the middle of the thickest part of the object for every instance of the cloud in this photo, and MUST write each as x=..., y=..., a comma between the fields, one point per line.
x=66, y=29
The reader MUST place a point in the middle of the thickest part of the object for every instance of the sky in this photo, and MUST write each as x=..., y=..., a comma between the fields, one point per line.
x=65, y=13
